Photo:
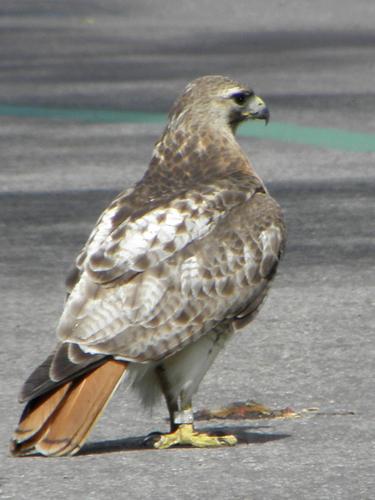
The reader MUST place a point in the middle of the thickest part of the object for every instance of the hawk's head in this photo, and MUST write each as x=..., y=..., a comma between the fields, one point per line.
x=218, y=101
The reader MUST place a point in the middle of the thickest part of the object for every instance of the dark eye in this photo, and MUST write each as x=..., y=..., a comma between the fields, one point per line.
x=241, y=97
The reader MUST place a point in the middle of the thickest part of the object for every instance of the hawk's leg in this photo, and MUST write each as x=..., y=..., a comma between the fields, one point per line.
x=167, y=391
x=182, y=425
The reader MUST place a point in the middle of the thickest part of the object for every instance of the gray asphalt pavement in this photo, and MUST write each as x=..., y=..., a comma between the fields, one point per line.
x=312, y=345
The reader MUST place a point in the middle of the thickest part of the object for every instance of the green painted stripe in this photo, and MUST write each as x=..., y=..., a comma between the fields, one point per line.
x=331, y=138
x=322, y=137
x=85, y=115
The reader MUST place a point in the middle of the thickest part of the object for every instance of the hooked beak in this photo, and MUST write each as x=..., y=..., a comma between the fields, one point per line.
x=256, y=110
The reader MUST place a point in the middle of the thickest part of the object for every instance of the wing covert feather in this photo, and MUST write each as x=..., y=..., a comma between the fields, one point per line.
x=214, y=268
x=141, y=243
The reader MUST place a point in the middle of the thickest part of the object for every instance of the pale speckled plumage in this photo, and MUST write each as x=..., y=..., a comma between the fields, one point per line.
x=176, y=264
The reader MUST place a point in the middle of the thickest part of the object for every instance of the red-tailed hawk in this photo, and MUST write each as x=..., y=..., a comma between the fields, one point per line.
x=172, y=268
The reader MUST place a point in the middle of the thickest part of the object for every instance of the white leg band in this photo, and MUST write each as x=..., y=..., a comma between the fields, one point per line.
x=183, y=417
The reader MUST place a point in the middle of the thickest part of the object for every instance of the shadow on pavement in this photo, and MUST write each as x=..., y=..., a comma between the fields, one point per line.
x=244, y=434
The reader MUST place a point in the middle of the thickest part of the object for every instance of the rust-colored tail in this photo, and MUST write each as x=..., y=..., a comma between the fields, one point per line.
x=58, y=423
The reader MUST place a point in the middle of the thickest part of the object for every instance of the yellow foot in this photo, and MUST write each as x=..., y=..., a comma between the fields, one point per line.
x=186, y=435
